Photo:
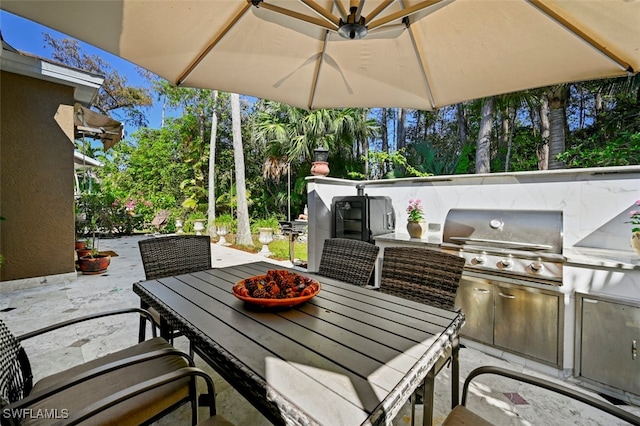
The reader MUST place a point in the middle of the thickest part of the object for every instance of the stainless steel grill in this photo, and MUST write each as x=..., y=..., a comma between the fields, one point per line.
x=526, y=244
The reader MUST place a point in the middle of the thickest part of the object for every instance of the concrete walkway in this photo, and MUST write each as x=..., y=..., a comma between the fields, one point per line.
x=501, y=401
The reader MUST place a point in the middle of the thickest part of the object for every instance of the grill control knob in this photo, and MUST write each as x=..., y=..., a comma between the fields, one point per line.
x=536, y=266
x=478, y=260
x=505, y=263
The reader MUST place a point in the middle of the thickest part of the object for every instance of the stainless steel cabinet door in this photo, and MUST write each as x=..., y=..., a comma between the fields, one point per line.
x=610, y=340
x=475, y=298
x=527, y=322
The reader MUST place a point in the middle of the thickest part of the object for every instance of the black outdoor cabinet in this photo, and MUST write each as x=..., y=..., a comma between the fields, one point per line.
x=362, y=217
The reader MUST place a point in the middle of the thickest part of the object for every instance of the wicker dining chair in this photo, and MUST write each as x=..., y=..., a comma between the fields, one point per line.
x=135, y=385
x=173, y=255
x=348, y=260
x=422, y=275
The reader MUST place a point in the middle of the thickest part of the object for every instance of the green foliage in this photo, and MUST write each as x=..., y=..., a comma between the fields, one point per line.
x=280, y=250
x=623, y=150
x=102, y=213
x=226, y=220
x=270, y=222
x=400, y=166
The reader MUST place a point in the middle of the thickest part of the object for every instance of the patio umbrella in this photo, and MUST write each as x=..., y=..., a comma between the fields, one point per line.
x=347, y=53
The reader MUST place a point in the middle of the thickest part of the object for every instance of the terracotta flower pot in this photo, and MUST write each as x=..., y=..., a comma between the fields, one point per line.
x=96, y=264
x=83, y=252
x=80, y=245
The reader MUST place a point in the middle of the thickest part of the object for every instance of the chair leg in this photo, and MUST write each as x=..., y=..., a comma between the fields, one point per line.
x=143, y=324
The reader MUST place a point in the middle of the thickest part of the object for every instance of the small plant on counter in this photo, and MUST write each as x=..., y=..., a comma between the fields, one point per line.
x=415, y=210
x=634, y=215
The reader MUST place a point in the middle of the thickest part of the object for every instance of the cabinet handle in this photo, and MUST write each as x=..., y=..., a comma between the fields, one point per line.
x=634, y=349
x=506, y=296
x=481, y=290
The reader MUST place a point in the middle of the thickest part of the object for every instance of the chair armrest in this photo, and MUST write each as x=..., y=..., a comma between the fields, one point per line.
x=551, y=386
x=138, y=389
x=98, y=371
x=59, y=325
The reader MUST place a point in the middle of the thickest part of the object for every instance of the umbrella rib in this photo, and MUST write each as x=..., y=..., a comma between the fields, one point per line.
x=316, y=73
x=322, y=11
x=575, y=30
x=422, y=68
x=402, y=13
x=333, y=26
x=211, y=45
x=341, y=10
x=378, y=10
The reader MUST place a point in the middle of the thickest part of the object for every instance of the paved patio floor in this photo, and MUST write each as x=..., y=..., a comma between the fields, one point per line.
x=500, y=401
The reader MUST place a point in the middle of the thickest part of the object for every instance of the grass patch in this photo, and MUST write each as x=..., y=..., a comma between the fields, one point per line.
x=279, y=248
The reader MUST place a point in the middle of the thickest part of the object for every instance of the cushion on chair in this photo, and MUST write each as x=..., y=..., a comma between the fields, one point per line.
x=133, y=411
x=461, y=416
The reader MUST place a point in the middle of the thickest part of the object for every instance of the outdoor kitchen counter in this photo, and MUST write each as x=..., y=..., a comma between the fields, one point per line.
x=603, y=258
x=428, y=241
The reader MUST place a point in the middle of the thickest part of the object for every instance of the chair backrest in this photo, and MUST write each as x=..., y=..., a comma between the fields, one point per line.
x=348, y=260
x=427, y=276
x=15, y=371
x=174, y=255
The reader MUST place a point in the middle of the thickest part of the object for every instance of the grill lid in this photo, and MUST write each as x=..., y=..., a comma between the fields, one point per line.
x=517, y=230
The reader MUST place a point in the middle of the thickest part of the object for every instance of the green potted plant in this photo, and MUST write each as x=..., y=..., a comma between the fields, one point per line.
x=95, y=211
x=224, y=224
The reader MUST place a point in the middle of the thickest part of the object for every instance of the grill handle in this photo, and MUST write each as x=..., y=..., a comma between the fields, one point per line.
x=506, y=296
x=506, y=244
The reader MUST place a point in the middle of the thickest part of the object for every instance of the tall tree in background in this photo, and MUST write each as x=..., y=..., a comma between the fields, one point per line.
x=401, y=128
x=116, y=96
x=542, y=150
x=243, y=236
x=483, y=149
x=211, y=209
x=558, y=97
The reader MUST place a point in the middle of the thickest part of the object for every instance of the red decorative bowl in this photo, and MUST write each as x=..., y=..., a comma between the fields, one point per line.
x=294, y=289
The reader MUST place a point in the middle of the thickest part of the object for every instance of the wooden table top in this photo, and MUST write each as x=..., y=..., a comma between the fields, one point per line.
x=347, y=356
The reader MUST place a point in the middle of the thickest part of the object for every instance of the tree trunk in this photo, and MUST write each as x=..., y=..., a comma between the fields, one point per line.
x=558, y=98
x=401, y=135
x=508, y=127
x=483, y=157
x=211, y=210
x=243, y=237
x=462, y=125
x=542, y=150
x=385, y=139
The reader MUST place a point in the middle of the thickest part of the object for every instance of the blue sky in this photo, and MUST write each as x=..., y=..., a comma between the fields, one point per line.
x=27, y=36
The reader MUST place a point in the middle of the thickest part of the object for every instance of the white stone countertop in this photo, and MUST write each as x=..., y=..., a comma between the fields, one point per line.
x=605, y=258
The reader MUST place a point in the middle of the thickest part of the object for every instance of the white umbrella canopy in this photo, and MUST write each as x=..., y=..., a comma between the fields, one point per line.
x=415, y=53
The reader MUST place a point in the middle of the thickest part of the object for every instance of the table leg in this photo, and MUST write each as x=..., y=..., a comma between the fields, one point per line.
x=165, y=330
x=428, y=391
x=455, y=373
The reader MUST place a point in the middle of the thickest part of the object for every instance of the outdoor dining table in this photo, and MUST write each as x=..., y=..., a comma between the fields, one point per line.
x=348, y=356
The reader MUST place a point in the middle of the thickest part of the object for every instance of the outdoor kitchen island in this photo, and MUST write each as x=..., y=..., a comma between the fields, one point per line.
x=586, y=320
x=526, y=320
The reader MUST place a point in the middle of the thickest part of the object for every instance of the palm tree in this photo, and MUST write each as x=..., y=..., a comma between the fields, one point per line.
x=243, y=236
x=291, y=134
x=558, y=98
x=211, y=210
